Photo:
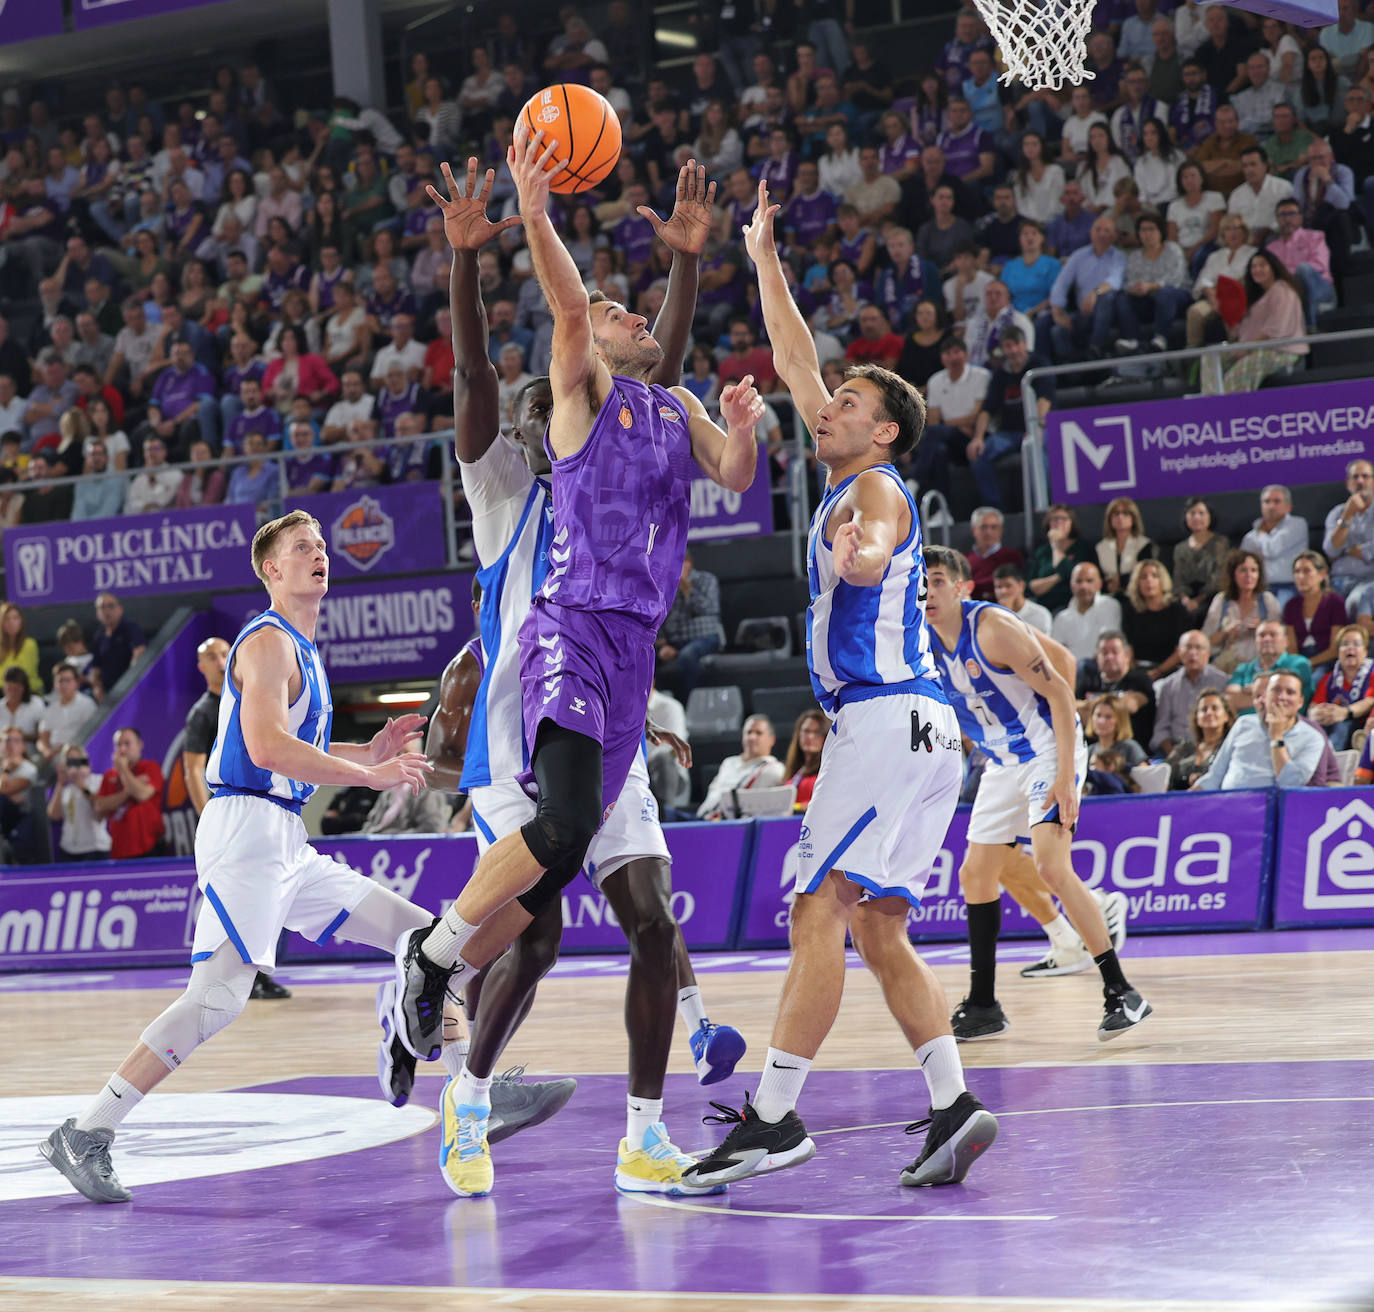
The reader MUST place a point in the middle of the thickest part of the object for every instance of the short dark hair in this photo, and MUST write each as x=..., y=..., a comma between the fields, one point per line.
x=954, y=563
x=900, y=403
x=1012, y=334
x=952, y=341
x=1254, y=150
x=1009, y=571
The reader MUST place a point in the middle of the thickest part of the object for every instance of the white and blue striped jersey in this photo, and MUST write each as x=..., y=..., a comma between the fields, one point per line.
x=864, y=642
x=512, y=529
x=310, y=717
x=996, y=709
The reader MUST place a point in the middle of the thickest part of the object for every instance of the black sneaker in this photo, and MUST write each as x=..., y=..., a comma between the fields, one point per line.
x=1123, y=1011
x=957, y=1135
x=266, y=989
x=971, y=1022
x=419, y=1004
x=753, y=1146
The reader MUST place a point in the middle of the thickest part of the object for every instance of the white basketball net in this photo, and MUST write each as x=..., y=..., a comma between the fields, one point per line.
x=1043, y=42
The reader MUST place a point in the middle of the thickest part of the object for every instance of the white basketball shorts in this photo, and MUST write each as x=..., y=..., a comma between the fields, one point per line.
x=630, y=832
x=259, y=875
x=1011, y=798
x=886, y=792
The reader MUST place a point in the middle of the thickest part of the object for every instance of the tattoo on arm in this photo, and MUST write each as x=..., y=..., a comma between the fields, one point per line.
x=1038, y=667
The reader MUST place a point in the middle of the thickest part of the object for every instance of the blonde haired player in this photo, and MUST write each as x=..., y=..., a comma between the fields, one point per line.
x=254, y=866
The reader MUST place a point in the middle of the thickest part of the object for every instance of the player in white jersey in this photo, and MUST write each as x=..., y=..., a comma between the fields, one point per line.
x=507, y=488
x=257, y=872
x=1012, y=690
x=890, y=771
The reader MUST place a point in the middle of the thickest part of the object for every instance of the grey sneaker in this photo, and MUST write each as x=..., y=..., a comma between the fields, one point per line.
x=83, y=1156
x=516, y=1105
x=418, y=1012
x=1114, y=907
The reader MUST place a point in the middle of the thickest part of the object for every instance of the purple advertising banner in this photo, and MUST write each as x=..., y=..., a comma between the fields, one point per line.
x=1210, y=443
x=380, y=530
x=719, y=513
x=180, y=551
x=430, y=870
x=130, y=913
x=98, y=13
x=22, y=20
x=1324, y=871
x=1178, y=868
x=386, y=629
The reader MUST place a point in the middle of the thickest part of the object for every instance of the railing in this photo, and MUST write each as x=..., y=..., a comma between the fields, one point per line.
x=1034, y=480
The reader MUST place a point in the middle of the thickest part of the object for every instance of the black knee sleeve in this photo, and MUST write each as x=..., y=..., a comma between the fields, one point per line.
x=567, y=766
x=551, y=883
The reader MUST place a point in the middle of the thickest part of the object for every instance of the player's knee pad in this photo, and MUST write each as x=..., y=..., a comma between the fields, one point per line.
x=563, y=828
x=537, y=899
x=209, y=1004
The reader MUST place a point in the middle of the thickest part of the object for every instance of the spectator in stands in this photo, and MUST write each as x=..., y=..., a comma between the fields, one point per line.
x=17, y=647
x=402, y=811
x=954, y=400
x=1317, y=613
x=18, y=775
x=183, y=405
x=754, y=767
x=1009, y=588
x=944, y=232
x=964, y=289
x=1349, y=538
x=130, y=799
x=253, y=417
x=153, y=487
x=1107, y=727
x=1001, y=423
x=1274, y=313
x=1090, y=279
x=200, y=485
x=1193, y=116
x=66, y=713
x=876, y=342
x=47, y=504
x=1152, y=618
x=1239, y=608
x=692, y=629
x=1113, y=670
x=117, y=644
x=49, y=401
x=1288, y=142
x=12, y=406
x=298, y=372
x=1230, y=260
x=1054, y=560
x=1276, y=537
x=1326, y=191
x=1220, y=154
x=1347, y=37
x=1199, y=558
x=1103, y=168
x=1304, y=253
x=669, y=780
x=1353, y=144
x=100, y=495
x=998, y=234
x=1345, y=695
x=990, y=320
x=1030, y=279
x=1089, y=614
x=1123, y=544
x=876, y=195
x=22, y=709
x=1176, y=695
x=803, y=761
x=1081, y=118
x=257, y=483
x=920, y=357
x=1257, y=197
x=910, y=279
x=1155, y=288
x=1271, y=654
x=1319, y=92
x=1255, y=104
x=988, y=551
x=1037, y=184
x=84, y=836
x=1275, y=748
x=747, y=357
x=1209, y=723
x=1156, y=169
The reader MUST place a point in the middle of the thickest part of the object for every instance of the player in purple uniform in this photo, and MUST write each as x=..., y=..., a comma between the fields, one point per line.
x=623, y=453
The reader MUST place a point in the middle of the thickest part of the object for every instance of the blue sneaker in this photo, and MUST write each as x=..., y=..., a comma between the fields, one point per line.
x=716, y=1050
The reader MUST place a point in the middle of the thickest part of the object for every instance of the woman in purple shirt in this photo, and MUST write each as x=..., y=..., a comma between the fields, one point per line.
x=1317, y=613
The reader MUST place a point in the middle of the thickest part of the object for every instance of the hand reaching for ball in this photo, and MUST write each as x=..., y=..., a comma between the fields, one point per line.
x=529, y=159
x=758, y=234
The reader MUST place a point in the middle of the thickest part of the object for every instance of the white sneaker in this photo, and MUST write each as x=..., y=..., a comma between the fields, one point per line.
x=1114, y=907
x=1060, y=961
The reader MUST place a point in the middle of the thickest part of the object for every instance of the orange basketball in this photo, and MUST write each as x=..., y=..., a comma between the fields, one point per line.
x=584, y=125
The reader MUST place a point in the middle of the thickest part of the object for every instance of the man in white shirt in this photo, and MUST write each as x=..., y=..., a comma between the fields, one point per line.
x=12, y=407
x=403, y=349
x=1009, y=583
x=66, y=713
x=155, y=486
x=1255, y=104
x=1090, y=613
x=1256, y=199
x=1276, y=537
x=954, y=398
x=754, y=767
x=356, y=403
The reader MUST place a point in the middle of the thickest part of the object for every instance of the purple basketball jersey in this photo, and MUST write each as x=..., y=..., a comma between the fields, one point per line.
x=621, y=508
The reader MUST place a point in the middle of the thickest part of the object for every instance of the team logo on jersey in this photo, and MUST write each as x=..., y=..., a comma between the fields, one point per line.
x=975, y=671
x=670, y=414
x=626, y=418
x=364, y=533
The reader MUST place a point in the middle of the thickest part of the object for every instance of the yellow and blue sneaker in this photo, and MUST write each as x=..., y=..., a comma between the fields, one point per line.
x=657, y=1166
x=464, y=1156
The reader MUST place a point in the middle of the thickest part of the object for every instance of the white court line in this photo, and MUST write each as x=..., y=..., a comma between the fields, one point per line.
x=677, y=1205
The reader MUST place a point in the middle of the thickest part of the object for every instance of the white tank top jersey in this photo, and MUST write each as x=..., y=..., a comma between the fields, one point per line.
x=866, y=642
x=310, y=718
x=997, y=709
x=512, y=529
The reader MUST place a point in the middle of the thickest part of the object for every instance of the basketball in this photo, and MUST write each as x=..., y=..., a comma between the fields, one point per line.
x=584, y=125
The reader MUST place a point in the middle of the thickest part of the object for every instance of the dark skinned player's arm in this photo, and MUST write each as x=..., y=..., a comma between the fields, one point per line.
x=447, y=741
x=673, y=327
x=476, y=410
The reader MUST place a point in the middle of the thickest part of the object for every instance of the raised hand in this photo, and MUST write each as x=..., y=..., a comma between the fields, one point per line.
x=758, y=233
x=529, y=159
x=465, y=212
x=406, y=771
x=688, y=226
x=392, y=737
x=849, y=539
x=741, y=406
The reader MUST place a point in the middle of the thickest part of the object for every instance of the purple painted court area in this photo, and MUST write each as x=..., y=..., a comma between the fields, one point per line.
x=1222, y=1182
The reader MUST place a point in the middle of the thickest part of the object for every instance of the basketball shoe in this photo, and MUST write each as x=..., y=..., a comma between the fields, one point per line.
x=517, y=1105
x=971, y=1022
x=1114, y=907
x=716, y=1049
x=83, y=1156
x=1122, y=1012
x=955, y=1137
x=464, y=1153
x=1060, y=961
x=418, y=1009
x=395, y=1066
x=753, y=1146
x=657, y=1166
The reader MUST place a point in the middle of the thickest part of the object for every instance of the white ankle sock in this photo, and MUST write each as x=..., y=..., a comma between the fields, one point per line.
x=691, y=1008
x=943, y=1070
x=454, y=1055
x=444, y=944
x=780, y=1086
x=640, y=1114
x=472, y=1090
x=114, y=1102
x=1062, y=934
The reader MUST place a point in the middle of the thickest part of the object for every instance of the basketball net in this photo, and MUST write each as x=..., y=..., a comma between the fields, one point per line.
x=1043, y=42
